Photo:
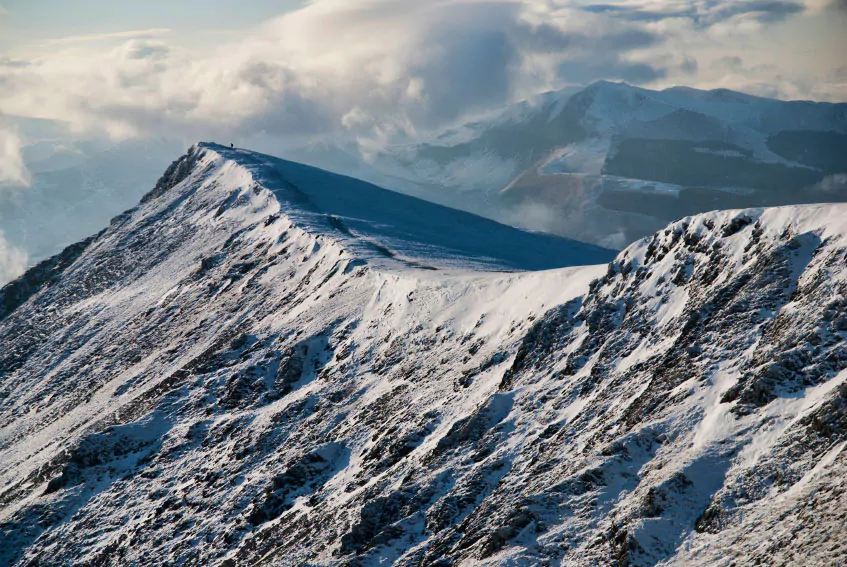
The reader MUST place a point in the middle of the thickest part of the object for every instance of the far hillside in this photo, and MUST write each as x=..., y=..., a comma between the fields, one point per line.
x=611, y=163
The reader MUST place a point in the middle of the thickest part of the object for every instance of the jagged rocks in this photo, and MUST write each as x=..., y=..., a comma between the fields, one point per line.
x=291, y=366
x=473, y=428
x=177, y=172
x=375, y=524
x=15, y=293
x=305, y=476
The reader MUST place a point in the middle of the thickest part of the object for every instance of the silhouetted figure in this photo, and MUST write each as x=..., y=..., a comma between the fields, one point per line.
x=231, y=145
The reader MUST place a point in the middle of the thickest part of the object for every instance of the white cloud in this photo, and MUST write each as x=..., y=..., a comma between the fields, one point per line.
x=13, y=171
x=13, y=261
x=368, y=69
x=832, y=185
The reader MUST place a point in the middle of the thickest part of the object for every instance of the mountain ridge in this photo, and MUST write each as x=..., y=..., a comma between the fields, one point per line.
x=532, y=164
x=210, y=383
x=361, y=215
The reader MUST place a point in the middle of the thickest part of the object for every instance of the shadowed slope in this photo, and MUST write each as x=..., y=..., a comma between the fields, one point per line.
x=374, y=223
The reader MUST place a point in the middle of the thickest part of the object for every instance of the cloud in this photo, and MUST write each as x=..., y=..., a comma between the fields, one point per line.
x=763, y=11
x=609, y=67
x=145, y=49
x=840, y=5
x=768, y=80
x=13, y=261
x=703, y=13
x=830, y=6
x=13, y=172
x=729, y=63
x=373, y=69
x=834, y=185
x=689, y=65
x=8, y=62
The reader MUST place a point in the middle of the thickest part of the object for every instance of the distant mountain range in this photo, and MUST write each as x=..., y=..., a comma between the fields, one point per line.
x=611, y=163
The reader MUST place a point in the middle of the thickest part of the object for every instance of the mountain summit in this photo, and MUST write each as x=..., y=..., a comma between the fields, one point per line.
x=263, y=363
x=384, y=227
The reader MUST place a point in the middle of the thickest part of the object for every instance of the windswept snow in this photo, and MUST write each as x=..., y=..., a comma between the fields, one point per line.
x=264, y=363
x=376, y=225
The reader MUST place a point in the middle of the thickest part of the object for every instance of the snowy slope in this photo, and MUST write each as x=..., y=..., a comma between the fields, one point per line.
x=228, y=376
x=373, y=223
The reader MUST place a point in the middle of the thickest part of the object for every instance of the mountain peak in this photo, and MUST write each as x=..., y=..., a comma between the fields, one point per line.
x=606, y=84
x=376, y=225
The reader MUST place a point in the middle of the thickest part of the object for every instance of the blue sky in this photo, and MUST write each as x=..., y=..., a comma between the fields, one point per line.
x=29, y=21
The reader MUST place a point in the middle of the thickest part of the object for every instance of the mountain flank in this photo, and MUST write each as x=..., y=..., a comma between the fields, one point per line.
x=267, y=364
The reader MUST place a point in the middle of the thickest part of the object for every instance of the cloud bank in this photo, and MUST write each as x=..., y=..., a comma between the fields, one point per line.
x=13, y=261
x=13, y=171
x=373, y=69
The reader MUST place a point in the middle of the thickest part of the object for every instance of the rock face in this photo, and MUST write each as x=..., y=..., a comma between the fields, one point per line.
x=244, y=370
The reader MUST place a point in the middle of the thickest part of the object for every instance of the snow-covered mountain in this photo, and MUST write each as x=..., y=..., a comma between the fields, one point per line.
x=267, y=364
x=612, y=162
x=606, y=164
